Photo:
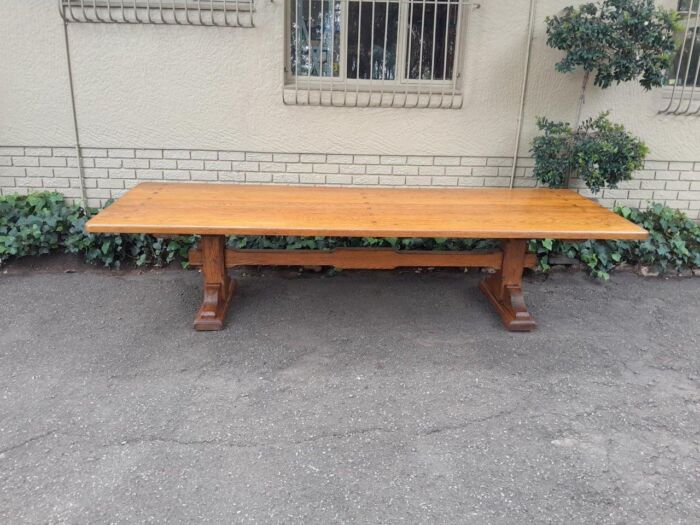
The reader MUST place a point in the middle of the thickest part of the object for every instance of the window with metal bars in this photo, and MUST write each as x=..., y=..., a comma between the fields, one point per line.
x=393, y=53
x=683, y=91
x=224, y=13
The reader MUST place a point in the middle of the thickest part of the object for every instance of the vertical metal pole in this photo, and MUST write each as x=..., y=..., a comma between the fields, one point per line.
x=457, y=66
x=408, y=54
x=432, y=56
x=447, y=45
x=523, y=93
x=371, y=57
x=78, y=153
x=420, y=56
x=310, y=54
x=386, y=30
x=320, y=57
x=332, y=13
x=359, y=36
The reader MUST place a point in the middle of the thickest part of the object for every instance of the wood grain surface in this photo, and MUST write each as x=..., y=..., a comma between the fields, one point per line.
x=235, y=209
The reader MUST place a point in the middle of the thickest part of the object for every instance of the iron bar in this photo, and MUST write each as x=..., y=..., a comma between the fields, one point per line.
x=684, y=80
x=215, y=13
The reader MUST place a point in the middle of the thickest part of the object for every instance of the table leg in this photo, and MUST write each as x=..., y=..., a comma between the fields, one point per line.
x=504, y=288
x=218, y=286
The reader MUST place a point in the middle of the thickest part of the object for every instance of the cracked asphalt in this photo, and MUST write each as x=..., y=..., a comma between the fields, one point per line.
x=358, y=398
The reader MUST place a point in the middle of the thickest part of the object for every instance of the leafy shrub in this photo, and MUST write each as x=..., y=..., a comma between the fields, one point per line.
x=674, y=239
x=619, y=40
x=43, y=223
x=32, y=225
x=602, y=153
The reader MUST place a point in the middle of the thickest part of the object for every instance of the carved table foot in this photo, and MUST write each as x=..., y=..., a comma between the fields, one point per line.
x=218, y=287
x=504, y=289
x=212, y=313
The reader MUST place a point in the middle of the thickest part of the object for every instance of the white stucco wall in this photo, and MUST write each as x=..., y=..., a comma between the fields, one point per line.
x=221, y=88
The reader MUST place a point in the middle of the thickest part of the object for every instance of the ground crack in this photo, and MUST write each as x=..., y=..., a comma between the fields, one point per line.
x=188, y=443
x=27, y=441
x=465, y=424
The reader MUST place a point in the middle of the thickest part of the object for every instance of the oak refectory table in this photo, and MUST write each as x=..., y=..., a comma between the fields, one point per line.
x=215, y=210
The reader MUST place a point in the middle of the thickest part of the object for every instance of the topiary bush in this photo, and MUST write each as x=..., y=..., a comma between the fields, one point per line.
x=600, y=152
x=617, y=40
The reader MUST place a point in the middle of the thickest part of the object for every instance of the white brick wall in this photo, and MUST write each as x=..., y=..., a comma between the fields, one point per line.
x=111, y=171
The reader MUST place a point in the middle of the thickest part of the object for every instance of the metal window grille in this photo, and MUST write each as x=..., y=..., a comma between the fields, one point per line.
x=684, y=78
x=372, y=53
x=222, y=13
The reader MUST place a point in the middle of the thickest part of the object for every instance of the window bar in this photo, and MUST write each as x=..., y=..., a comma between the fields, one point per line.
x=409, y=26
x=296, y=51
x=357, y=56
x=432, y=58
x=386, y=35
x=187, y=13
x=320, y=58
x=688, y=31
x=109, y=12
x=420, y=56
x=681, y=53
x=444, y=62
x=136, y=12
x=332, y=13
x=344, y=49
x=694, y=39
x=199, y=12
x=310, y=57
x=148, y=13
x=371, y=58
x=124, y=17
x=177, y=21
x=213, y=13
x=160, y=12
x=97, y=15
x=456, y=70
x=694, y=87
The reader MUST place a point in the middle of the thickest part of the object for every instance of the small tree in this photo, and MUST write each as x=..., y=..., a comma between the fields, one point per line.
x=618, y=40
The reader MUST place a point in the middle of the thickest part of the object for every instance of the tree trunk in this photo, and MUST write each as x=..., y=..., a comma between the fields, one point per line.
x=579, y=112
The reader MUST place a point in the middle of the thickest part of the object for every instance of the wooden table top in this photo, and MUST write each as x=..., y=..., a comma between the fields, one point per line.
x=235, y=209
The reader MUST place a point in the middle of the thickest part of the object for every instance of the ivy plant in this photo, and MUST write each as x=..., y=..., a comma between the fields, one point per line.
x=601, y=152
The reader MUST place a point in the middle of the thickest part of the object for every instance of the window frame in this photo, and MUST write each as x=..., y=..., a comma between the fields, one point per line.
x=364, y=85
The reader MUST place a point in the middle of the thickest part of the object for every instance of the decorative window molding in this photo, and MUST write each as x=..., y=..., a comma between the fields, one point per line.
x=375, y=53
x=217, y=13
x=683, y=90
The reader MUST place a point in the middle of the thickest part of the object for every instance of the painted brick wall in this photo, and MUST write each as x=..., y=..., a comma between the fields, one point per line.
x=109, y=172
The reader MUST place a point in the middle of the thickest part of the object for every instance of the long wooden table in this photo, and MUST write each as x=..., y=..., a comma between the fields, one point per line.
x=214, y=211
